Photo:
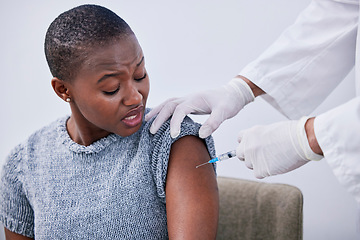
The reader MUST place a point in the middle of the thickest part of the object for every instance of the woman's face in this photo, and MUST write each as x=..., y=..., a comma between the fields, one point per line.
x=109, y=93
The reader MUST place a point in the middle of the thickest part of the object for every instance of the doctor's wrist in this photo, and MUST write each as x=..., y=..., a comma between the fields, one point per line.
x=310, y=133
x=254, y=88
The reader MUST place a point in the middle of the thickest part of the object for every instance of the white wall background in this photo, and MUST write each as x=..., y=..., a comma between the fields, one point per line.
x=189, y=45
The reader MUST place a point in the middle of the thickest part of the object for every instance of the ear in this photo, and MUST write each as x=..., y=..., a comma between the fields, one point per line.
x=60, y=88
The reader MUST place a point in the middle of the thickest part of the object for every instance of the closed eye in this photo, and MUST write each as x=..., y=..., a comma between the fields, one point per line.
x=139, y=79
x=112, y=92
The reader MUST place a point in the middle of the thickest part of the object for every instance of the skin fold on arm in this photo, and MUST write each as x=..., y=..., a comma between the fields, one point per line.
x=192, y=199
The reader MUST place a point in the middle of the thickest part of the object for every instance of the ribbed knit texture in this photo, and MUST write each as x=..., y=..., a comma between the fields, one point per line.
x=54, y=188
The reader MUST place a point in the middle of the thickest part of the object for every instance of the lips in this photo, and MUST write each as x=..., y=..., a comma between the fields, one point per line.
x=134, y=117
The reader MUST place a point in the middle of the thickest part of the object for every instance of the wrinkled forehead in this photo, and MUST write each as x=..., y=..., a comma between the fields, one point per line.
x=125, y=51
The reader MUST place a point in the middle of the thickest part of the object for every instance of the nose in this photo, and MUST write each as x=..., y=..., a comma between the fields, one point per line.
x=131, y=95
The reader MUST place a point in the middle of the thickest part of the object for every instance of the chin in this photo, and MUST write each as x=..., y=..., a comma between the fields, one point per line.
x=128, y=132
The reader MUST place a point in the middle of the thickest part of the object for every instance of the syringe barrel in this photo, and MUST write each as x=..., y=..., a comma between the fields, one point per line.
x=227, y=155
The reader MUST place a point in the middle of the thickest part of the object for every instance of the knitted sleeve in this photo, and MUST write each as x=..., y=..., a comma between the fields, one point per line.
x=16, y=213
x=162, y=144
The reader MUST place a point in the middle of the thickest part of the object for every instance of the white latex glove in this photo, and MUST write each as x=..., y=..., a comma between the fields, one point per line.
x=221, y=104
x=275, y=149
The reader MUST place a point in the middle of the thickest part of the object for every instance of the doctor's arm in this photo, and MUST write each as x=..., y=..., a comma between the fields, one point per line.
x=297, y=72
x=308, y=53
x=309, y=59
x=278, y=148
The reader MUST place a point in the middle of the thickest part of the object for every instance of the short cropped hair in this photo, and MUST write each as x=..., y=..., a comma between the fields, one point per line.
x=75, y=32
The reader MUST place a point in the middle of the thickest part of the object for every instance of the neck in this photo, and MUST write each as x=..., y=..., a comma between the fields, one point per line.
x=83, y=135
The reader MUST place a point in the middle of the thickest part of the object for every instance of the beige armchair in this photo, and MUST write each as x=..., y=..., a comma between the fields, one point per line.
x=258, y=210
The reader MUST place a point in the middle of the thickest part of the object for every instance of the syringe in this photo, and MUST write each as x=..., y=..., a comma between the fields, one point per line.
x=221, y=157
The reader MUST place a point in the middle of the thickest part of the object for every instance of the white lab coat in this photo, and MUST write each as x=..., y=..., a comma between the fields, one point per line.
x=301, y=68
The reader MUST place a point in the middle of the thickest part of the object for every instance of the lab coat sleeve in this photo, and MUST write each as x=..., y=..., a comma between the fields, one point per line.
x=309, y=59
x=338, y=134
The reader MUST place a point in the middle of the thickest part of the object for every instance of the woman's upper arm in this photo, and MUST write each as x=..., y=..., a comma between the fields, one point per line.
x=14, y=236
x=13, y=196
x=192, y=200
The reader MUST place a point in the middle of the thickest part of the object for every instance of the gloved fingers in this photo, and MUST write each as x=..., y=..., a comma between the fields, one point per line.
x=212, y=123
x=249, y=161
x=240, y=154
x=205, y=131
x=153, y=112
x=259, y=167
x=248, y=164
x=258, y=174
x=166, y=110
x=178, y=116
x=240, y=136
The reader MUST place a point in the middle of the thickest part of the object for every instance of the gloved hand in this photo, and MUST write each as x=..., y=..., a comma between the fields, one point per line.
x=221, y=104
x=276, y=148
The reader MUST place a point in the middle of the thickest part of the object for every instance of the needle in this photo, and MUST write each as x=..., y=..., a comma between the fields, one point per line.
x=202, y=164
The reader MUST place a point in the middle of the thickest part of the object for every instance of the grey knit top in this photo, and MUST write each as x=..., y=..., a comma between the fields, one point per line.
x=54, y=188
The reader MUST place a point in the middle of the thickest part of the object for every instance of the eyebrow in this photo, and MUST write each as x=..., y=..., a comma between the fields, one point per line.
x=116, y=74
x=107, y=76
x=142, y=59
